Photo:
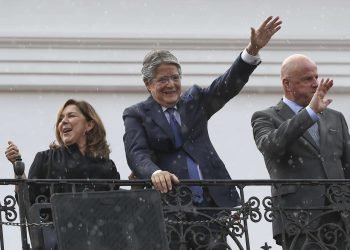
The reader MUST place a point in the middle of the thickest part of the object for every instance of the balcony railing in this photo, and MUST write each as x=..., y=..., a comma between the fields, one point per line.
x=177, y=222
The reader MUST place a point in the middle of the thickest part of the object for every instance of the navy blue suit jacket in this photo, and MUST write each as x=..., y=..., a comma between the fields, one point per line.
x=149, y=141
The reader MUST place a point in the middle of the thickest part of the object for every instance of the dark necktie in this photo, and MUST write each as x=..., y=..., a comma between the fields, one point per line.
x=175, y=127
x=191, y=165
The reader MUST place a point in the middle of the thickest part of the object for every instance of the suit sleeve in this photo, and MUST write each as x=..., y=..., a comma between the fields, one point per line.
x=227, y=85
x=346, y=153
x=138, y=152
x=272, y=137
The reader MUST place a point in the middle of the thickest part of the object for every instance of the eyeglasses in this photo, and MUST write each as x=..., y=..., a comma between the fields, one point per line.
x=166, y=79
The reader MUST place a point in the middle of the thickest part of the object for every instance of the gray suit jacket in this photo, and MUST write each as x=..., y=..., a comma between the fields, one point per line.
x=149, y=141
x=290, y=152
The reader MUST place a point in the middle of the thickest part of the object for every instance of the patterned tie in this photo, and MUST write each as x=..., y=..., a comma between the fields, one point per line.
x=191, y=165
x=315, y=134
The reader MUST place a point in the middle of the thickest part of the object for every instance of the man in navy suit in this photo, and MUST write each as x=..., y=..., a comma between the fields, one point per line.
x=152, y=148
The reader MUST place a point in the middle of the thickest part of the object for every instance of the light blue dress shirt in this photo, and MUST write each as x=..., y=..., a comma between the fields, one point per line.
x=296, y=108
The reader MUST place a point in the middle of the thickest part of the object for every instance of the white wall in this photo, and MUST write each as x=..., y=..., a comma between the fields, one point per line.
x=54, y=50
x=165, y=18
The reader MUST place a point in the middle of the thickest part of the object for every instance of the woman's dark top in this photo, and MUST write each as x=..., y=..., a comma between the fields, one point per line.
x=68, y=163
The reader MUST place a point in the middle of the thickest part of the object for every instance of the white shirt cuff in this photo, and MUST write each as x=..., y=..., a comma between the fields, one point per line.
x=157, y=171
x=253, y=60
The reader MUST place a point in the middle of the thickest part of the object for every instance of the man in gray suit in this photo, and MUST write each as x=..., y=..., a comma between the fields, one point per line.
x=301, y=138
x=166, y=136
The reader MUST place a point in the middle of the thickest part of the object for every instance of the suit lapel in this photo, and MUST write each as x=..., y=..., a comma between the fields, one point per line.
x=286, y=113
x=181, y=108
x=322, y=124
x=324, y=133
x=155, y=112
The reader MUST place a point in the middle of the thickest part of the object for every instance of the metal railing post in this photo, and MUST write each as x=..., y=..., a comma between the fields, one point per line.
x=18, y=168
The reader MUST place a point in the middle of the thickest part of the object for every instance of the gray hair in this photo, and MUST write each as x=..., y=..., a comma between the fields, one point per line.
x=155, y=58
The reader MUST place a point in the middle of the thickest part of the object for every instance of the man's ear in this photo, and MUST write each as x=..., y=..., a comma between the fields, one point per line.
x=147, y=84
x=286, y=85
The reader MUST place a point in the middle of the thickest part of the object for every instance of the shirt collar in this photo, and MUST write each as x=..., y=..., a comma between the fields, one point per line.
x=165, y=108
x=294, y=106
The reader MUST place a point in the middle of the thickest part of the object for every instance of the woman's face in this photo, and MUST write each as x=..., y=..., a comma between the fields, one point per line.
x=73, y=126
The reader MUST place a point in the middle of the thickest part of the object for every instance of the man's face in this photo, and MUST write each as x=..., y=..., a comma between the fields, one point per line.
x=165, y=88
x=302, y=83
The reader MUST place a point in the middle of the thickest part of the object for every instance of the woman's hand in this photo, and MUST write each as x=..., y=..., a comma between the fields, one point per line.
x=12, y=152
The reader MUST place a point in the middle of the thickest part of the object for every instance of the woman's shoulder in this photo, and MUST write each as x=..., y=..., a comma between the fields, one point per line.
x=51, y=151
x=40, y=162
x=43, y=154
x=47, y=157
